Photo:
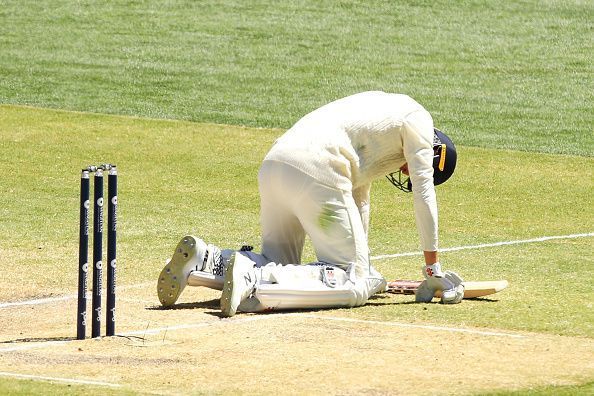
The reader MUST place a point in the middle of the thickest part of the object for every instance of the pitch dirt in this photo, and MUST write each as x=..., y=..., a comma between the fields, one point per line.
x=191, y=350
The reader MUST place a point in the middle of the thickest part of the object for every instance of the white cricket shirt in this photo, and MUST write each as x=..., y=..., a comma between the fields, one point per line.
x=352, y=141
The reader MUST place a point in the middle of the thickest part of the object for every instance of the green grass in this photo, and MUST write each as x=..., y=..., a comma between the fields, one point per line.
x=21, y=387
x=586, y=389
x=494, y=74
x=181, y=177
x=9, y=387
x=176, y=178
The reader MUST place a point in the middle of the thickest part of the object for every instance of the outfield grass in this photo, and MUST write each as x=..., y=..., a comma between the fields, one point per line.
x=586, y=389
x=512, y=75
x=10, y=387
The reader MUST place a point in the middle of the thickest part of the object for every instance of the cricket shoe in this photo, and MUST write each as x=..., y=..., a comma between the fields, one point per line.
x=191, y=254
x=240, y=283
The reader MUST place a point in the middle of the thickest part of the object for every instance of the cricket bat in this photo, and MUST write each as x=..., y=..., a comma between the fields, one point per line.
x=471, y=289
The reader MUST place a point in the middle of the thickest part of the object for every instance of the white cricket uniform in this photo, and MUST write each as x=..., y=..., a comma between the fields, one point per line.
x=316, y=180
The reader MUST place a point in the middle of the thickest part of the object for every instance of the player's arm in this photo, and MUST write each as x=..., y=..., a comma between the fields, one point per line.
x=418, y=150
x=420, y=168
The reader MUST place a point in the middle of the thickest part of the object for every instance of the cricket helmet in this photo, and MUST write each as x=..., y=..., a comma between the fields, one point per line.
x=444, y=163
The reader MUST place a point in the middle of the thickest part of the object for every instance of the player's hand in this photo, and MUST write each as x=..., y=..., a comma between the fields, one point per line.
x=448, y=282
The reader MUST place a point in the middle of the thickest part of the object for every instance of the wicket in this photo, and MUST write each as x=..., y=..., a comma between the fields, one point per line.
x=83, y=266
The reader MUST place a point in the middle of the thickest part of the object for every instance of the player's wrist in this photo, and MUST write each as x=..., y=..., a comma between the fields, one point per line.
x=431, y=257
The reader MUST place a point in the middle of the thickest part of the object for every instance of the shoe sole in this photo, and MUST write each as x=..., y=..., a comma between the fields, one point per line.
x=173, y=277
x=227, y=296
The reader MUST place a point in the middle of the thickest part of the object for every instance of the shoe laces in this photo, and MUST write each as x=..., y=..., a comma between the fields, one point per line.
x=213, y=261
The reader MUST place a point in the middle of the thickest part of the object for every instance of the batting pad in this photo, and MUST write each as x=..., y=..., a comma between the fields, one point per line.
x=279, y=297
x=206, y=279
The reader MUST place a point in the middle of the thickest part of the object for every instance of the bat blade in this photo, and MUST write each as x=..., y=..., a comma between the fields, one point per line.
x=471, y=289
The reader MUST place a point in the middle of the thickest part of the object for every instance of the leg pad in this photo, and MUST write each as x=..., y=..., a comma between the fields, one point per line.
x=205, y=279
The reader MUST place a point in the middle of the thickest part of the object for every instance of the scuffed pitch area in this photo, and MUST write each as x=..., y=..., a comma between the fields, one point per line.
x=190, y=349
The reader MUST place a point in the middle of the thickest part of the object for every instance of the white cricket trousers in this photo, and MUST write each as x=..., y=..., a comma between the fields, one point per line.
x=293, y=205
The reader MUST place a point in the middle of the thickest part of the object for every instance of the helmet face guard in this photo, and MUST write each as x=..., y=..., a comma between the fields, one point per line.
x=400, y=181
x=444, y=163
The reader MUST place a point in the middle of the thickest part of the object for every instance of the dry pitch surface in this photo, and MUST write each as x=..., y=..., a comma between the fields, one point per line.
x=190, y=349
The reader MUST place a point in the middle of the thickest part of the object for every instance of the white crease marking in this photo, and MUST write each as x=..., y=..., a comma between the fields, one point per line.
x=489, y=245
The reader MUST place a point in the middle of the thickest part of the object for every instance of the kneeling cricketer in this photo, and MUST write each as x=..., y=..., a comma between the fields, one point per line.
x=316, y=181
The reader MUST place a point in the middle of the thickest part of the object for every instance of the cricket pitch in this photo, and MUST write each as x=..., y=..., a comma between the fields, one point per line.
x=189, y=349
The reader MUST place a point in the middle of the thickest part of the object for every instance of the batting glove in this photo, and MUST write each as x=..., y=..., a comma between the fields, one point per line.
x=448, y=282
